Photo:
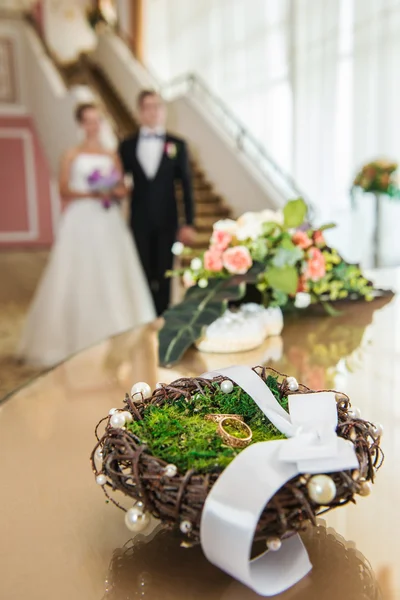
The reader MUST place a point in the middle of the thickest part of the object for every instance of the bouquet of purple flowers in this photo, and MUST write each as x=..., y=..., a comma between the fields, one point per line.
x=104, y=183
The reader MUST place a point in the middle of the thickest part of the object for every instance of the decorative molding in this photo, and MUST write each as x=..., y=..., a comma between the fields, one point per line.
x=32, y=233
x=8, y=85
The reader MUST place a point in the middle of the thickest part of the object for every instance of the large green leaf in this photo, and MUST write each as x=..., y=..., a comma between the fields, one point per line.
x=284, y=279
x=294, y=213
x=184, y=322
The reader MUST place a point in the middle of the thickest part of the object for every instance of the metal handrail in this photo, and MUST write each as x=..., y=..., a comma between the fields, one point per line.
x=241, y=137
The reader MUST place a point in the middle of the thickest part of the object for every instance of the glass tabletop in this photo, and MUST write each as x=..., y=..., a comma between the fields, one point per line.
x=59, y=539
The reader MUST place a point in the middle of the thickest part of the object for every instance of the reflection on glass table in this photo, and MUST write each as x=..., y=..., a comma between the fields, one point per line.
x=156, y=568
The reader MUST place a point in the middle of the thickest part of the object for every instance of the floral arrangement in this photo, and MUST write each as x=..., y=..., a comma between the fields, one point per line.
x=292, y=259
x=104, y=182
x=176, y=450
x=283, y=256
x=378, y=177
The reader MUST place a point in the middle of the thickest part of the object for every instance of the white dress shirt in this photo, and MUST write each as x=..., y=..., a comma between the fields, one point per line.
x=150, y=149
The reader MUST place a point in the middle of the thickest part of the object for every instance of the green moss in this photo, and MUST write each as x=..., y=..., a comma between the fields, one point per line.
x=179, y=434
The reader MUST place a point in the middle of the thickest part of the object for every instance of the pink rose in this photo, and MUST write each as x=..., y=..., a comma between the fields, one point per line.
x=237, y=260
x=301, y=239
x=318, y=238
x=220, y=239
x=213, y=260
x=315, y=265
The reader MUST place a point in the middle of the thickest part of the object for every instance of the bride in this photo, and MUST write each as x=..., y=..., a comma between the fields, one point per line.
x=93, y=286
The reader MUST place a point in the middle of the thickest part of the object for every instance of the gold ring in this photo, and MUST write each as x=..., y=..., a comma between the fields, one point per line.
x=218, y=417
x=241, y=436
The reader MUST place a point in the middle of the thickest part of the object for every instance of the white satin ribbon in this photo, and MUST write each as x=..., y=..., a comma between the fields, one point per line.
x=236, y=501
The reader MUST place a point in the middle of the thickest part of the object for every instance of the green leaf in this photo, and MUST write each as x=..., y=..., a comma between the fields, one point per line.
x=283, y=279
x=332, y=312
x=184, y=322
x=294, y=213
x=327, y=226
x=285, y=257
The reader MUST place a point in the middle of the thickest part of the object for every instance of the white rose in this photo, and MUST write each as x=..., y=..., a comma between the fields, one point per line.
x=228, y=225
x=249, y=226
x=272, y=216
x=302, y=300
x=177, y=248
x=196, y=264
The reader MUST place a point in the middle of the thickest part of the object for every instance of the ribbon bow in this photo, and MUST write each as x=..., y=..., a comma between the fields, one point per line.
x=237, y=499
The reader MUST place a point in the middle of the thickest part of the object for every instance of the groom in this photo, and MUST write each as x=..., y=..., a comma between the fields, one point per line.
x=157, y=160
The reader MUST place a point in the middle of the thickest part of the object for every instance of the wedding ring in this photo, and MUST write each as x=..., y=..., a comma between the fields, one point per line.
x=241, y=436
x=218, y=417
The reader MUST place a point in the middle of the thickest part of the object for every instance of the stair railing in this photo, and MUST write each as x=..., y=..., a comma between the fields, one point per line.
x=240, y=136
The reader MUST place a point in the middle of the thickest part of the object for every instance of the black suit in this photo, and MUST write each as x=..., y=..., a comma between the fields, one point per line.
x=154, y=214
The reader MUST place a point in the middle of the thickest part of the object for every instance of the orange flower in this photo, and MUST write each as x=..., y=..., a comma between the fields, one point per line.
x=301, y=239
x=315, y=269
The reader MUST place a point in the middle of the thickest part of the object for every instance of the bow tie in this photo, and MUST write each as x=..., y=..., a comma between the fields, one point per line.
x=152, y=136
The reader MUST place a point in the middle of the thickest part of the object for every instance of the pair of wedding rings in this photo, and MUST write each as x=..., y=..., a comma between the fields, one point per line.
x=232, y=429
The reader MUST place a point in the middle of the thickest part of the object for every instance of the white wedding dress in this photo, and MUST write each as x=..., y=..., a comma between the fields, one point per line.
x=94, y=286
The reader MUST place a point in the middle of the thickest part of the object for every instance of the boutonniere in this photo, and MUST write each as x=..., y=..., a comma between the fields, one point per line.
x=171, y=150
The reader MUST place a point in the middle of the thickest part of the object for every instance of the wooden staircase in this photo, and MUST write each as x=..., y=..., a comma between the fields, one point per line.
x=209, y=205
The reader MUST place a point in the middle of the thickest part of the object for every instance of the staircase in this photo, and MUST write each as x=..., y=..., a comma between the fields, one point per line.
x=209, y=205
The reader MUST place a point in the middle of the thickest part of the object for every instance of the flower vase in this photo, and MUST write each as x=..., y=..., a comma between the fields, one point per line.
x=377, y=227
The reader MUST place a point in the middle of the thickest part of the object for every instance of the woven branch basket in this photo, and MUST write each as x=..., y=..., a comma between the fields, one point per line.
x=130, y=468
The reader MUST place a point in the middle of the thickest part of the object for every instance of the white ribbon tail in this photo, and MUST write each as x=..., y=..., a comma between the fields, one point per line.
x=230, y=516
x=236, y=501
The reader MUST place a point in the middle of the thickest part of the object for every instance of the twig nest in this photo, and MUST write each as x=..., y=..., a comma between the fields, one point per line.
x=128, y=459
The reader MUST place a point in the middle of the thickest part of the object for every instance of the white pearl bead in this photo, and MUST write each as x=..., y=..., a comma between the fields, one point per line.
x=274, y=544
x=226, y=386
x=101, y=479
x=366, y=488
x=321, y=489
x=112, y=411
x=292, y=384
x=99, y=453
x=203, y=283
x=170, y=470
x=140, y=391
x=117, y=420
x=136, y=520
x=186, y=527
x=377, y=430
x=128, y=416
x=354, y=412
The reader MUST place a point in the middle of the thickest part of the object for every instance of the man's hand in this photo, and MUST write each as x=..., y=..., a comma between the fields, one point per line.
x=186, y=235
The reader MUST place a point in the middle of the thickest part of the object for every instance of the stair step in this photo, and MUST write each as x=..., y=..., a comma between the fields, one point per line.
x=219, y=211
x=206, y=197
x=202, y=240
x=205, y=223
